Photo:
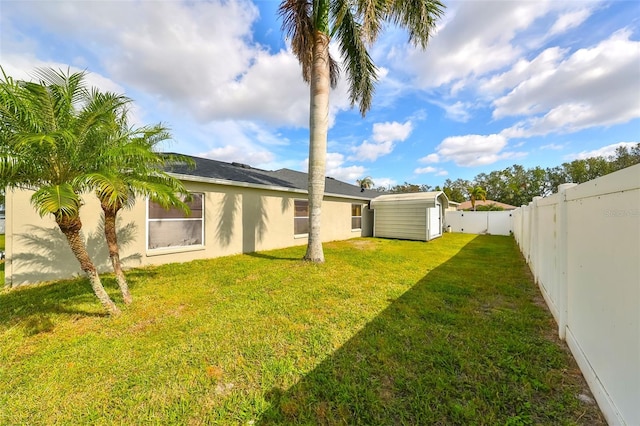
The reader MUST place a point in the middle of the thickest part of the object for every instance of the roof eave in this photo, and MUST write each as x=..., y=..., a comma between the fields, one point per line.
x=226, y=182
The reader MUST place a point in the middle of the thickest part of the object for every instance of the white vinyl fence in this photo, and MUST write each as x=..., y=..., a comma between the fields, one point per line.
x=583, y=247
x=486, y=222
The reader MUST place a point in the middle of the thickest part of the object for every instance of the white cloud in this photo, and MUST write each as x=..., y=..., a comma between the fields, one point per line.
x=235, y=153
x=430, y=170
x=22, y=67
x=391, y=131
x=458, y=111
x=540, y=67
x=197, y=57
x=424, y=170
x=271, y=90
x=239, y=141
x=431, y=158
x=475, y=41
x=367, y=151
x=337, y=170
x=475, y=150
x=382, y=182
x=385, y=136
x=595, y=86
x=569, y=20
x=605, y=151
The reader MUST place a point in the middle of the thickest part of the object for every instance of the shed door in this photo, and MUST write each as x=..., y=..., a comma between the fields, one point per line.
x=435, y=222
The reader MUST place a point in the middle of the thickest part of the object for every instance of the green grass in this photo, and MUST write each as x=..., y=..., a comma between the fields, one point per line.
x=386, y=332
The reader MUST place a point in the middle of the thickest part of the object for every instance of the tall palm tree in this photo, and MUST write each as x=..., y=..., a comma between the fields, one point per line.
x=365, y=182
x=355, y=25
x=127, y=166
x=47, y=129
x=476, y=193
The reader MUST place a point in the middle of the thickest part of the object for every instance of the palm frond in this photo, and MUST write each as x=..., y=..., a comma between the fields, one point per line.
x=58, y=200
x=298, y=25
x=361, y=71
x=418, y=17
x=111, y=189
x=372, y=14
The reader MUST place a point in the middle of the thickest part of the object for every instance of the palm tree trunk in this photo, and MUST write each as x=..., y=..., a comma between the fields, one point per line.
x=111, y=236
x=70, y=227
x=318, y=127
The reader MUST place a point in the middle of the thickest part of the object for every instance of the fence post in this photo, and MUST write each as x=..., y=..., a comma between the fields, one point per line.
x=562, y=233
x=536, y=267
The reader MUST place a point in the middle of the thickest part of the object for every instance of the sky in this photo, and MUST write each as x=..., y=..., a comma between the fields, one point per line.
x=535, y=83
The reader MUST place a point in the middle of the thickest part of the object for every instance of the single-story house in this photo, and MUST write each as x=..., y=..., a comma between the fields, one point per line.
x=466, y=205
x=235, y=209
x=413, y=216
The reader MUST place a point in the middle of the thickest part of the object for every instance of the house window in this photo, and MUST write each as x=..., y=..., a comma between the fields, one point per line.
x=174, y=228
x=356, y=216
x=300, y=217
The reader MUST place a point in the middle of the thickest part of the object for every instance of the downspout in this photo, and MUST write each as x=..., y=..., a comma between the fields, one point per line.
x=8, y=243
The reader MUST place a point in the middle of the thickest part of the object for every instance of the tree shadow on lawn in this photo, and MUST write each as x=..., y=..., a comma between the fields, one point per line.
x=465, y=345
x=262, y=255
x=72, y=297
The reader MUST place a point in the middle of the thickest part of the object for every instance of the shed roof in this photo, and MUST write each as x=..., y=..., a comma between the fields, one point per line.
x=244, y=174
x=425, y=197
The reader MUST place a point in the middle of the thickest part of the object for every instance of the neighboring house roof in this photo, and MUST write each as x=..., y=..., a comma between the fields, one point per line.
x=467, y=205
x=245, y=175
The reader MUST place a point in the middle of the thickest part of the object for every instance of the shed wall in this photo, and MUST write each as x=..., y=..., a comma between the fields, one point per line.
x=400, y=220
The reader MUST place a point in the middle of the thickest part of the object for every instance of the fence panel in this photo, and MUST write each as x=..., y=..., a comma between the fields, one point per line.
x=583, y=247
x=487, y=222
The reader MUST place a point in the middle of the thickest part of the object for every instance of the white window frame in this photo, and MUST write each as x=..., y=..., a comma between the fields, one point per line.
x=176, y=248
x=353, y=217
x=300, y=217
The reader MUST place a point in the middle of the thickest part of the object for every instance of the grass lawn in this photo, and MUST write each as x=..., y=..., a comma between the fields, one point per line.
x=386, y=332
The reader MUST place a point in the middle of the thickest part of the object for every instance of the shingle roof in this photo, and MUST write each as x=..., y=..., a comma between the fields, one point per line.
x=243, y=173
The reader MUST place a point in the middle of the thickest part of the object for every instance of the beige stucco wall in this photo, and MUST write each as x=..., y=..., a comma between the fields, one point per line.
x=237, y=220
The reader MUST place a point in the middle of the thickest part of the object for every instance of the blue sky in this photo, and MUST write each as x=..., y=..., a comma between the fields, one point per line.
x=503, y=82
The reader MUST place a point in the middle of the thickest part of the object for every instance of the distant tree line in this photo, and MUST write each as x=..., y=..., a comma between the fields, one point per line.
x=516, y=185
x=404, y=188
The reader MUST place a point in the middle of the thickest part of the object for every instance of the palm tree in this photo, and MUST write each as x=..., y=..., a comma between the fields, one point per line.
x=476, y=193
x=365, y=182
x=355, y=24
x=128, y=166
x=47, y=130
